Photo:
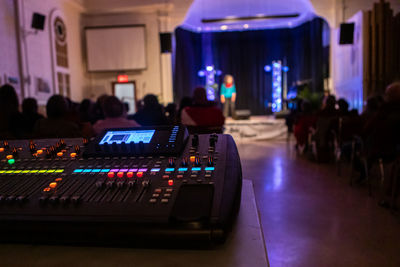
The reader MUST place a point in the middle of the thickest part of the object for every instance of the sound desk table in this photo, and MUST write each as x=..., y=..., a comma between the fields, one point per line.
x=245, y=246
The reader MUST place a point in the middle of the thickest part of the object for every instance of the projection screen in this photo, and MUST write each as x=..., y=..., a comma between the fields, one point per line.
x=115, y=48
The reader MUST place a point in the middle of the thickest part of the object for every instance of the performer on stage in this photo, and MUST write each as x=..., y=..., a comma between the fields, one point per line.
x=228, y=95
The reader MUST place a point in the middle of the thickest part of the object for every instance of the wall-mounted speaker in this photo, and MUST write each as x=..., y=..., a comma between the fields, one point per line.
x=166, y=42
x=346, y=33
x=38, y=21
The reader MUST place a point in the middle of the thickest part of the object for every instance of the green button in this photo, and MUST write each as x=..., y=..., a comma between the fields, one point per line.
x=11, y=161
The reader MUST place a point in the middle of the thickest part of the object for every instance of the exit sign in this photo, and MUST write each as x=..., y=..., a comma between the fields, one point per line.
x=123, y=78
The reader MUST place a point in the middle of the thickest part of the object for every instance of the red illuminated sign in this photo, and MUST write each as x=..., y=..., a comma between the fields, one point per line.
x=123, y=78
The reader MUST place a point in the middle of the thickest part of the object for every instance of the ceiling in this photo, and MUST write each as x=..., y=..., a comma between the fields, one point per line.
x=246, y=14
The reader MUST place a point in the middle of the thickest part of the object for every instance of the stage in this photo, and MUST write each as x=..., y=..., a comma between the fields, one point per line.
x=256, y=128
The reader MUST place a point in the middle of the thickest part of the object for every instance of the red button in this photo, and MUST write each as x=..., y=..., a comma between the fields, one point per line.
x=139, y=174
x=120, y=174
x=129, y=174
x=110, y=175
x=170, y=182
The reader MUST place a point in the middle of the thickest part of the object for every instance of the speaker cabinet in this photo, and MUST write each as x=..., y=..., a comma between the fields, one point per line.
x=166, y=42
x=346, y=33
x=38, y=21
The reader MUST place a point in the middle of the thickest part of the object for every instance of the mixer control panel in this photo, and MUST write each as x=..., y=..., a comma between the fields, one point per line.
x=185, y=180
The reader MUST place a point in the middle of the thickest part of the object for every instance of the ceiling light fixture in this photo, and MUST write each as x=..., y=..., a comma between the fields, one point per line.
x=258, y=17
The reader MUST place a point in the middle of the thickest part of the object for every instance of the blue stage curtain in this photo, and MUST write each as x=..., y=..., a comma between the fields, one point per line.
x=244, y=55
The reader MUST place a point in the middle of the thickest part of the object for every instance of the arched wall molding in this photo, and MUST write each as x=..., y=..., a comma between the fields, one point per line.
x=59, y=53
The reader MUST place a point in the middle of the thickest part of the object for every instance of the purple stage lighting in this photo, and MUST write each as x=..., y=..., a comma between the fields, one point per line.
x=267, y=68
x=211, y=86
x=276, y=86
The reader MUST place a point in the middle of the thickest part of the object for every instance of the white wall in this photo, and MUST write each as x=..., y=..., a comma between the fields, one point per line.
x=38, y=62
x=348, y=65
x=147, y=81
x=8, y=44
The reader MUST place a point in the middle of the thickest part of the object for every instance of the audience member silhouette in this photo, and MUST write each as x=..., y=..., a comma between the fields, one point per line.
x=382, y=131
x=305, y=120
x=56, y=125
x=343, y=107
x=30, y=115
x=170, y=113
x=86, y=111
x=115, y=116
x=11, y=121
x=151, y=113
x=186, y=101
x=202, y=112
x=98, y=113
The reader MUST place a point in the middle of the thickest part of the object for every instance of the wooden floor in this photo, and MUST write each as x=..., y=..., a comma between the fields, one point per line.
x=312, y=217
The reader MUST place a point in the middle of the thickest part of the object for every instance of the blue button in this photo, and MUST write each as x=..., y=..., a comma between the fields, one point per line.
x=182, y=169
x=169, y=169
x=155, y=170
x=87, y=170
x=78, y=170
x=210, y=168
x=196, y=169
x=96, y=170
x=105, y=170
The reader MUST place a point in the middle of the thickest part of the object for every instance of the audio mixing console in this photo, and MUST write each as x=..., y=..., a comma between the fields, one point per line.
x=129, y=187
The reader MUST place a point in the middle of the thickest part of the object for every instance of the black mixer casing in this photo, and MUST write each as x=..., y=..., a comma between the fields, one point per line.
x=159, y=208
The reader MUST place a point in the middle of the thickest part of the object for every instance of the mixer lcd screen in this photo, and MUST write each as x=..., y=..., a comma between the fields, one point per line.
x=127, y=136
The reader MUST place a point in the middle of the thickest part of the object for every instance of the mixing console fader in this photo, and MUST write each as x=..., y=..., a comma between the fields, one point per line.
x=130, y=187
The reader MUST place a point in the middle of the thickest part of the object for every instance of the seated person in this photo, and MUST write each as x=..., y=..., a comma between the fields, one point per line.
x=11, y=123
x=382, y=131
x=343, y=107
x=325, y=124
x=115, y=116
x=30, y=115
x=202, y=112
x=151, y=113
x=381, y=137
x=56, y=125
x=306, y=119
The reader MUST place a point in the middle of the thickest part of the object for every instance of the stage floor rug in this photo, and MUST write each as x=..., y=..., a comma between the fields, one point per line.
x=257, y=128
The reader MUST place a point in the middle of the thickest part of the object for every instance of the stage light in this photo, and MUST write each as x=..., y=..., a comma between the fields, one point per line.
x=246, y=26
x=224, y=27
x=285, y=68
x=267, y=68
x=276, y=86
x=210, y=94
x=211, y=86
